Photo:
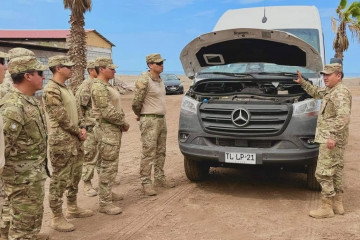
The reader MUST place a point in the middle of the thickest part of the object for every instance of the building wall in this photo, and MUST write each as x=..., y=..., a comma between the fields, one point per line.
x=94, y=40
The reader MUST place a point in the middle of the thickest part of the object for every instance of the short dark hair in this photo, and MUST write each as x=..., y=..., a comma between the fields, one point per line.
x=19, y=77
x=53, y=69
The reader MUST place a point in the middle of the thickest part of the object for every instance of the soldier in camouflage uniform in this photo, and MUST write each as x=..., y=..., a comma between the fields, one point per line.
x=108, y=132
x=150, y=108
x=5, y=87
x=3, y=68
x=87, y=121
x=64, y=144
x=332, y=133
x=25, y=149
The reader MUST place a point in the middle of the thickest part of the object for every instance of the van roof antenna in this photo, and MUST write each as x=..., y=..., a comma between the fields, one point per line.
x=264, y=19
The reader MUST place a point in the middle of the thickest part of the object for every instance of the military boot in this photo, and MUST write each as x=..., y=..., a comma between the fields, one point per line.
x=89, y=190
x=149, y=190
x=117, y=197
x=4, y=232
x=110, y=209
x=42, y=236
x=73, y=211
x=338, y=206
x=60, y=223
x=163, y=183
x=325, y=210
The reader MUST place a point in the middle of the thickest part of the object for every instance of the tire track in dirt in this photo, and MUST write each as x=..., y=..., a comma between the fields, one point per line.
x=153, y=211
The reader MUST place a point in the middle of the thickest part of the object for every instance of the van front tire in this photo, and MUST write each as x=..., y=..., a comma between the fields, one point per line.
x=195, y=170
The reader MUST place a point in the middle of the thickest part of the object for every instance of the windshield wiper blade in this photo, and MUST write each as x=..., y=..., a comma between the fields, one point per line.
x=228, y=74
x=287, y=74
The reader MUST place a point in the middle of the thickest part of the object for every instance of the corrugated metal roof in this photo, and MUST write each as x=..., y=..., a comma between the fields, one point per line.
x=42, y=34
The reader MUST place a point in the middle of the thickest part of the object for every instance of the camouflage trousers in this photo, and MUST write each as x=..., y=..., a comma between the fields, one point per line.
x=90, y=157
x=329, y=169
x=66, y=175
x=26, y=209
x=153, y=139
x=109, y=142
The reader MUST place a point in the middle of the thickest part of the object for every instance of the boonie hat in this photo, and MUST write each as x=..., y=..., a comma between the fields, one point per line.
x=20, y=52
x=90, y=64
x=105, y=62
x=25, y=64
x=60, y=60
x=154, y=58
x=3, y=55
x=331, y=68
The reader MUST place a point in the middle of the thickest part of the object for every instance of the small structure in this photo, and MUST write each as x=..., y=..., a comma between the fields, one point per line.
x=47, y=43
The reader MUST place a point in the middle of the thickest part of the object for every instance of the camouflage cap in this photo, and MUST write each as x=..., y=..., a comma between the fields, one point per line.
x=154, y=58
x=90, y=64
x=60, y=60
x=25, y=64
x=3, y=55
x=105, y=62
x=20, y=52
x=331, y=68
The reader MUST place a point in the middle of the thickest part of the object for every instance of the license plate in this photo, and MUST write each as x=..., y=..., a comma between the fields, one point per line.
x=173, y=88
x=243, y=158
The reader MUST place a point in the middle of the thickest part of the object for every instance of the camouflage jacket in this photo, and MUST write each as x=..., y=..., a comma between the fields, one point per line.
x=84, y=102
x=25, y=138
x=101, y=100
x=334, y=115
x=141, y=89
x=63, y=132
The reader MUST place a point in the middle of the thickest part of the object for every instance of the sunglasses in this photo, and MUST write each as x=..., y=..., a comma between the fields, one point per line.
x=2, y=61
x=159, y=63
x=40, y=73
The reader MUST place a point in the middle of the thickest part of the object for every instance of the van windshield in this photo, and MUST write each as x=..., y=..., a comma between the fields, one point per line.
x=311, y=36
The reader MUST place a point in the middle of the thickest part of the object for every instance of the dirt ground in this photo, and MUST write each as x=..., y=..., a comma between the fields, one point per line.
x=231, y=204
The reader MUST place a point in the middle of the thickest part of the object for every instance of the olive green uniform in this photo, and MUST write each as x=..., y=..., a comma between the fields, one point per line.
x=65, y=152
x=108, y=134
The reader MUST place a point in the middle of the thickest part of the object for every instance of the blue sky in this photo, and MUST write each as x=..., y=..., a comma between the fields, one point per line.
x=140, y=27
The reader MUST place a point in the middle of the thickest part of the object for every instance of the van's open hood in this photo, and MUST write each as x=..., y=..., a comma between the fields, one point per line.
x=243, y=45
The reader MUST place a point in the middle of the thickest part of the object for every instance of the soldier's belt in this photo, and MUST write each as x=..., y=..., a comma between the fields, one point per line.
x=152, y=115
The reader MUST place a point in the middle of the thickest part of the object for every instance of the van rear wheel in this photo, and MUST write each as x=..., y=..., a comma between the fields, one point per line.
x=312, y=182
x=195, y=170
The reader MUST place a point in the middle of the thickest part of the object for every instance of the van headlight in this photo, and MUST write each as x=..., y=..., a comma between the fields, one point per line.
x=189, y=105
x=309, y=107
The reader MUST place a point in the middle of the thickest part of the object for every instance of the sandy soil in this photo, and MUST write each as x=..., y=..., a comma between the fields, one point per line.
x=231, y=204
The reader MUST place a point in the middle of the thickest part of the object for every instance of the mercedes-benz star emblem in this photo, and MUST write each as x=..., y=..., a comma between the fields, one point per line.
x=240, y=117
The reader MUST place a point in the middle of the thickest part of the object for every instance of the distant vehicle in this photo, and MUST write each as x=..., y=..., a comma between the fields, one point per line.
x=172, y=84
x=244, y=108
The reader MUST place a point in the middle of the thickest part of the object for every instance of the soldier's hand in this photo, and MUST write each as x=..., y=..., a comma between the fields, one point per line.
x=137, y=118
x=82, y=134
x=330, y=143
x=125, y=127
x=299, y=78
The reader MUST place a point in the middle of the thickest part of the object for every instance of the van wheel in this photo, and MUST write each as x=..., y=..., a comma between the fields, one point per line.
x=195, y=171
x=312, y=183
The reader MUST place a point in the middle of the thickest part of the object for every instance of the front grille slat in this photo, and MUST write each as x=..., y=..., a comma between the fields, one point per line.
x=264, y=119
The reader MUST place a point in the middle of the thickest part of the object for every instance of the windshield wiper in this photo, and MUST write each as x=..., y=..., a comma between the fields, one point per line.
x=228, y=74
x=287, y=74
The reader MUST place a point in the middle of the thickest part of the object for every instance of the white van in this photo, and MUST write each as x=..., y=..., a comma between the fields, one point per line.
x=301, y=21
x=244, y=109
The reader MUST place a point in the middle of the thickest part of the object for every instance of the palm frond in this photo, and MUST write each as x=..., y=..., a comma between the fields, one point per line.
x=78, y=7
x=333, y=24
x=343, y=4
x=355, y=30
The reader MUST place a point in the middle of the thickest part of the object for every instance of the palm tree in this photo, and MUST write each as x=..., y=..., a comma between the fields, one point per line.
x=77, y=51
x=347, y=17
